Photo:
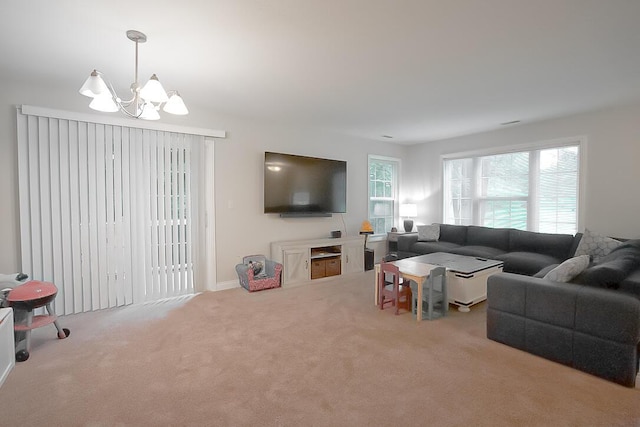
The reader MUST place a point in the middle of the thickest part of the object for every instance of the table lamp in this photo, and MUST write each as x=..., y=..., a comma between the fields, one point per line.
x=408, y=210
x=366, y=229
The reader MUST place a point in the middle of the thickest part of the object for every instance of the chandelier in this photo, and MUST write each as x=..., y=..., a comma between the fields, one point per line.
x=146, y=100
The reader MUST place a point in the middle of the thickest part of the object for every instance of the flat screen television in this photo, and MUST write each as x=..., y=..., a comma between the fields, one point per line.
x=304, y=186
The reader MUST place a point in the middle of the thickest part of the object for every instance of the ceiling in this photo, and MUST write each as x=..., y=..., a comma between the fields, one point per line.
x=417, y=70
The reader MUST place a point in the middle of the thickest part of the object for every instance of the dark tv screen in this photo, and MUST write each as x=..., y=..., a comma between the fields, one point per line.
x=304, y=185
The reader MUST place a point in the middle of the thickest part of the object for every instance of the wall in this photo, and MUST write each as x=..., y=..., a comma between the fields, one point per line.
x=241, y=227
x=611, y=203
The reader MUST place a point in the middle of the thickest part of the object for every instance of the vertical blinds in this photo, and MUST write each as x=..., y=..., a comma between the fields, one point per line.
x=106, y=211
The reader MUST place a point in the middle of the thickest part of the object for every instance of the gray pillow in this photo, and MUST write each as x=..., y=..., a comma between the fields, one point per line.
x=596, y=245
x=568, y=269
x=428, y=233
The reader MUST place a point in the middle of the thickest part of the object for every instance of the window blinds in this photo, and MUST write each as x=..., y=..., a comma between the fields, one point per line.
x=535, y=190
x=106, y=211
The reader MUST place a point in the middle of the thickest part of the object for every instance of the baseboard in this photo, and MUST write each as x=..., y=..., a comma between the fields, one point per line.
x=222, y=286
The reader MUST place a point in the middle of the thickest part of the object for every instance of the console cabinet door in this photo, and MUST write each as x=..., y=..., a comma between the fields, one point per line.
x=353, y=257
x=295, y=265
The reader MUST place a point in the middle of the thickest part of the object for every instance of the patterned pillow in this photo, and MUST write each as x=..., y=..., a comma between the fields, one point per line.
x=568, y=269
x=428, y=233
x=595, y=245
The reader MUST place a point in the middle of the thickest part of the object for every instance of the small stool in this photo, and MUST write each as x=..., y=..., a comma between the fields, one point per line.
x=24, y=299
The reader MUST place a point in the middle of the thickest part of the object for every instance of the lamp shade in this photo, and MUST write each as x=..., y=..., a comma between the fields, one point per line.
x=175, y=105
x=149, y=112
x=409, y=210
x=366, y=228
x=104, y=103
x=153, y=91
x=94, y=86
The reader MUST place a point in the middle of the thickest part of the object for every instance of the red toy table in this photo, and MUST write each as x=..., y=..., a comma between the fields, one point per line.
x=24, y=299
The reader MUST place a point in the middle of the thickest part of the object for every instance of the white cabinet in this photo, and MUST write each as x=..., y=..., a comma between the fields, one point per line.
x=306, y=260
x=352, y=257
x=7, y=349
x=297, y=262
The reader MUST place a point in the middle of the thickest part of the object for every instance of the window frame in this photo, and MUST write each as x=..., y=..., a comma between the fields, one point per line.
x=532, y=218
x=395, y=190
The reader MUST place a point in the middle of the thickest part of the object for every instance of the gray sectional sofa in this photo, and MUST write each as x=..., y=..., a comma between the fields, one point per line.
x=523, y=252
x=591, y=323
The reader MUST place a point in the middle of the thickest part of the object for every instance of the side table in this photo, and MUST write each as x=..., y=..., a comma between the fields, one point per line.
x=368, y=259
x=392, y=243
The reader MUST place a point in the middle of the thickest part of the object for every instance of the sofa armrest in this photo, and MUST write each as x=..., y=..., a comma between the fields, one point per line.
x=273, y=268
x=243, y=271
x=601, y=312
x=595, y=330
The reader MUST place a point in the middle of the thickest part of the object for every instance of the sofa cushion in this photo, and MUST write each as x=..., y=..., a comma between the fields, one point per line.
x=406, y=241
x=611, y=270
x=569, y=269
x=453, y=233
x=431, y=247
x=556, y=246
x=540, y=274
x=607, y=275
x=485, y=236
x=478, y=251
x=428, y=233
x=527, y=263
x=596, y=245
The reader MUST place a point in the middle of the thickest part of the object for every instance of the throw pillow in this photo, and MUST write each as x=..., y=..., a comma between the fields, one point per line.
x=428, y=233
x=595, y=245
x=568, y=269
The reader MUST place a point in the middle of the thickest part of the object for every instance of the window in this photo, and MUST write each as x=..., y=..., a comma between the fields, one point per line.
x=534, y=190
x=383, y=193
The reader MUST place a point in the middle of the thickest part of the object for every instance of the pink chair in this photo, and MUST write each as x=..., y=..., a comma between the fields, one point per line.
x=257, y=273
x=391, y=290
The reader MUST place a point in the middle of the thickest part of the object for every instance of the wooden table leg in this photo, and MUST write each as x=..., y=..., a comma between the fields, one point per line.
x=419, y=307
x=375, y=285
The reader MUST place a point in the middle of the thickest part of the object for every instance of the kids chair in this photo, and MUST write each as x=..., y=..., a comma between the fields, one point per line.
x=257, y=273
x=435, y=302
x=399, y=295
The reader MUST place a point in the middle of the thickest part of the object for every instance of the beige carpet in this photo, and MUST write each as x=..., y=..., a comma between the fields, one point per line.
x=313, y=355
